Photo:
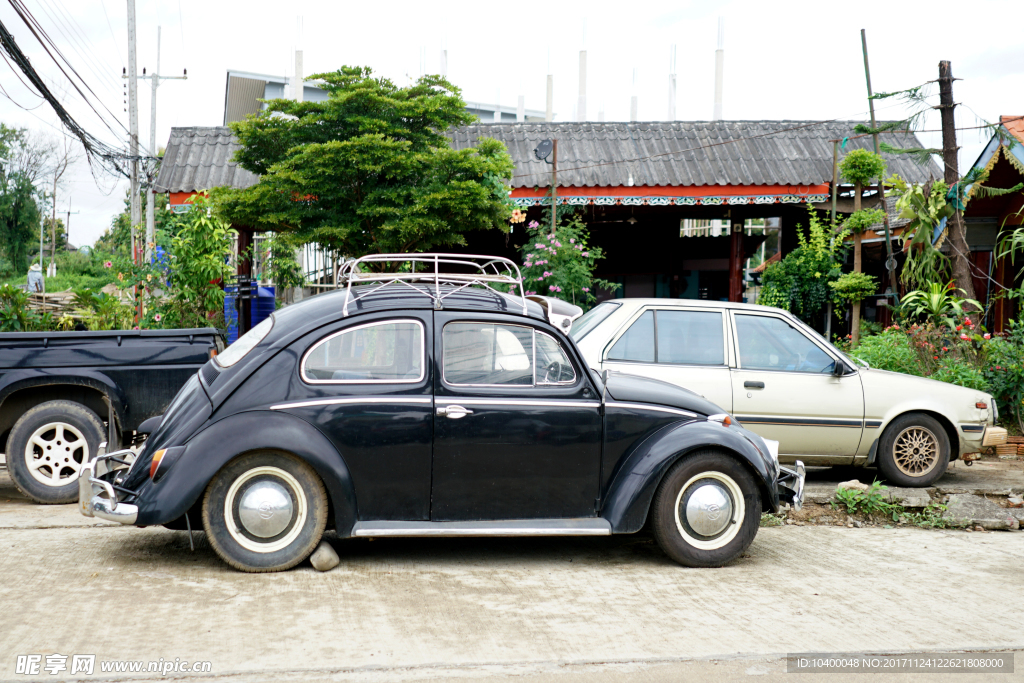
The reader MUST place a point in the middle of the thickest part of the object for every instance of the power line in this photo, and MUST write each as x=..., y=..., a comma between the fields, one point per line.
x=103, y=4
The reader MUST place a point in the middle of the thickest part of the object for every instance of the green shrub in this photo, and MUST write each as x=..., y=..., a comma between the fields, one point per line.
x=890, y=350
x=957, y=371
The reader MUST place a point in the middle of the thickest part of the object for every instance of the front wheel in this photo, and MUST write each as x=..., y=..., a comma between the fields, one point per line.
x=265, y=512
x=707, y=510
x=914, y=450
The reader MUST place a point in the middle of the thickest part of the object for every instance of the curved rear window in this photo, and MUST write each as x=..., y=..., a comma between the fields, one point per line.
x=591, y=319
x=244, y=344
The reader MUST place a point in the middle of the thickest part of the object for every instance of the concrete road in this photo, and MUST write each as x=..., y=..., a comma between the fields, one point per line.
x=587, y=609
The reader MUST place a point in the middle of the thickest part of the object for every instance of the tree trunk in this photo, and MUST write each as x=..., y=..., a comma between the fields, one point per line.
x=955, y=226
x=858, y=190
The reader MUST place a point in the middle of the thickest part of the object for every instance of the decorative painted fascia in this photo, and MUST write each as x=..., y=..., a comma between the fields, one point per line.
x=661, y=200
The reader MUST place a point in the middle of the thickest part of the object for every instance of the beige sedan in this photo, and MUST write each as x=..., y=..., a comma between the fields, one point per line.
x=784, y=381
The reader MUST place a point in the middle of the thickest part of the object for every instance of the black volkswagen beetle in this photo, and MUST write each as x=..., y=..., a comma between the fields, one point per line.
x=429, y=401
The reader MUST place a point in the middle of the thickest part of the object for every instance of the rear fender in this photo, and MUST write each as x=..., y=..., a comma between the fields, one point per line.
x=631, y=492
x=259, y=430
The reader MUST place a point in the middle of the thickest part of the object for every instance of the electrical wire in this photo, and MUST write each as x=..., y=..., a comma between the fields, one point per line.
x=103, y=5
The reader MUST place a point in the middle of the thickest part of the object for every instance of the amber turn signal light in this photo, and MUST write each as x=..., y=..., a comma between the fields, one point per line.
x=157, y=457
x=980, y=405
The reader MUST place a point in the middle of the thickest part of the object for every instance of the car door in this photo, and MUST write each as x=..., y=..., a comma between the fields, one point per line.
x=683, y=346
x=368, y=387
x=785, y=389
x=517, y=426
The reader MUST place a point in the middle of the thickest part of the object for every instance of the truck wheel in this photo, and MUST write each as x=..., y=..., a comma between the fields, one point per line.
x=913, y=450
x=707, y=510
x=48, y=446
x=265, y=512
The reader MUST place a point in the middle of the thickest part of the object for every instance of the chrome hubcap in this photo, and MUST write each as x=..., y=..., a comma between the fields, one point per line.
x=265, y=509
x=709, y=509
x=915, y=451
x=55, y=454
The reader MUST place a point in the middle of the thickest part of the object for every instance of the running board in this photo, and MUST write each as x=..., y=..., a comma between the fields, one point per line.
x=588, y=526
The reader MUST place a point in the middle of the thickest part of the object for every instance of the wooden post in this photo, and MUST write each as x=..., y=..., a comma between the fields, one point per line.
x=858, y=264
x=244, y=270
x=736, y=261
x=957, y=238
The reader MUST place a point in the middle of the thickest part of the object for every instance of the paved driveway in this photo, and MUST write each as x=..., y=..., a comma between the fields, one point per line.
x=592, y=608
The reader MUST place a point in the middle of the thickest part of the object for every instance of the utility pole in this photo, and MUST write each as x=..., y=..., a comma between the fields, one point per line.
x=890, y=260
x=154, y=78
x=67, y=223
x=133, y=126
x=957, y=238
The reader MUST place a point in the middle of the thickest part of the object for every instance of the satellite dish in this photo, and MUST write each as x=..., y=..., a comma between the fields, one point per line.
x=543, y=150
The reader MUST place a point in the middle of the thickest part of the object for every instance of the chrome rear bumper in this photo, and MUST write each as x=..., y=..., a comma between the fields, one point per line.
x=97, y=497
x=791, y=484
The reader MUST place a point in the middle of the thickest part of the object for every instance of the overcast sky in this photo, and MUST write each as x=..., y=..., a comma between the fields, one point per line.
x=795, y=60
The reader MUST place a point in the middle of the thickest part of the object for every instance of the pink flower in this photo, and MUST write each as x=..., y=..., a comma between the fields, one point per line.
x=158, y=317
x=555, y=288
x=987, y=335
x=540, y=245
x=108, y=264
x=586, y=253
x=964, y=337
x=558, y=244
x=548, y=273
x=533, y=224
x=586, y=289
x=527, y=264
x=572, y=240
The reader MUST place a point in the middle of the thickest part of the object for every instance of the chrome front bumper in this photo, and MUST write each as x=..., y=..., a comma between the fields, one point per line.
x=96, y=496
x=791, y=484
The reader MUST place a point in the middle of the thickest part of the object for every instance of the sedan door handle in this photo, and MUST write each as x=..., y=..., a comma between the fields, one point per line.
x=753, y=385
x=454, y=412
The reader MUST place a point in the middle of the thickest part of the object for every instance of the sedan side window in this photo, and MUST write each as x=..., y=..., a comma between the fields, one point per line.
x=690, y=337
x=637, y=344
x=389, y=351
x=769, y=343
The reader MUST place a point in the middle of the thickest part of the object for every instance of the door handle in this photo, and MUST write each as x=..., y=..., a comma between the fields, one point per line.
x=753, y=385
x=454, y=412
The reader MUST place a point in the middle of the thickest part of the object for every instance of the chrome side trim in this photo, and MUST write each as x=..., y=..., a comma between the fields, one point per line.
x=590, y=526
x=646, y=406
x=352, y=400
x=515, y=402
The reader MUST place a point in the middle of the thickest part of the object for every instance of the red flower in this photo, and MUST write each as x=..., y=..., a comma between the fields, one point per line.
x=959, y=327
x=935, y=357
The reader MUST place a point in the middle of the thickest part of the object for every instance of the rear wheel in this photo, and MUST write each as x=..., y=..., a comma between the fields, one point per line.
x=47, y=448
x=265, y=512
x=914, y=450
x=706, y=510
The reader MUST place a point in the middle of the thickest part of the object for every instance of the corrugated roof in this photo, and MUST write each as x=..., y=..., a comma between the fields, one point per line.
x=197, y=159
x=595, y=154
x=684, y=153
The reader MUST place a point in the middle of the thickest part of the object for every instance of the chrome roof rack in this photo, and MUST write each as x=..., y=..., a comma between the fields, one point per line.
x=481, y=271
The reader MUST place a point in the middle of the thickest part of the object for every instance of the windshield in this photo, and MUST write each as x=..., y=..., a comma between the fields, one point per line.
x=591, y=319
x=244, y=344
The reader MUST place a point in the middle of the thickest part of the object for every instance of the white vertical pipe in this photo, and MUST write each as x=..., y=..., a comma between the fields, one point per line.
x=719, y=69
x=581, y=106
x=632, y=100
x=672, y=84
x=548, y=111
x=521, y=109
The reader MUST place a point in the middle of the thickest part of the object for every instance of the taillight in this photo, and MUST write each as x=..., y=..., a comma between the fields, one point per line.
x=981, y=405
x=155, y=464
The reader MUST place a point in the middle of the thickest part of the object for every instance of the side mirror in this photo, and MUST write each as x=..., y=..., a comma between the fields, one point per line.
x=840, y=369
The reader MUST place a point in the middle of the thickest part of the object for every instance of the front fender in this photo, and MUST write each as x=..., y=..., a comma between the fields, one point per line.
x=630, y=493
x=217, y=444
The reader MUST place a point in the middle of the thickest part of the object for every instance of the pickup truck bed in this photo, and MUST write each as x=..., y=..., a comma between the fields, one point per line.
x=58, y=389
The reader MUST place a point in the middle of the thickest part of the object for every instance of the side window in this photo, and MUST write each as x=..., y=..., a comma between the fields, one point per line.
x=690, y=337
x=553, y=366
x=389, y=351
x=488, y=354
x=769, y=343
x=637, y=344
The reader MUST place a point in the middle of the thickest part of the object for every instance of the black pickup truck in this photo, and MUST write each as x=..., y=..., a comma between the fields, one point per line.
x=63, y=393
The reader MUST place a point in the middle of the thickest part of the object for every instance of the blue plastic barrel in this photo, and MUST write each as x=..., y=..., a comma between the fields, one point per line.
x=262, y=305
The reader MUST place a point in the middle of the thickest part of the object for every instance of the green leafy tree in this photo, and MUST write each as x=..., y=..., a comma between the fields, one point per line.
x=280, y=265
x=925, y=205
x=801, y=281
x=19, y=199
x=369, y=169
